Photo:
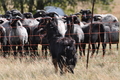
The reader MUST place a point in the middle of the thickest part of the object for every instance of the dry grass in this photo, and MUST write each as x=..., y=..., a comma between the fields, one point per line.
x=41, y=69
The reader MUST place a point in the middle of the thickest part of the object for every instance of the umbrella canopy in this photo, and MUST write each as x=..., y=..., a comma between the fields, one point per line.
x=54, y=9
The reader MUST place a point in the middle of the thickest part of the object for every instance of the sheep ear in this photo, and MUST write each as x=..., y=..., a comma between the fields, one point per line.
x=1, y=21
x=114, y=20
x=81, y=10
x=89, y=11
x=64, y=18
x=77, y=14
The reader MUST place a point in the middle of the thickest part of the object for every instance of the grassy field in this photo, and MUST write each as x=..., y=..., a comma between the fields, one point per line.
x=106, y=68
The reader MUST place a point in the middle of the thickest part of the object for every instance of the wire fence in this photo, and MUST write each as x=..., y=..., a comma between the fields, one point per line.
x=41, y=36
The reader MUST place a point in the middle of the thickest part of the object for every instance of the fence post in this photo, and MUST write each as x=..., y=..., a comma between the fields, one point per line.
x=119, y=43
x=87, y=61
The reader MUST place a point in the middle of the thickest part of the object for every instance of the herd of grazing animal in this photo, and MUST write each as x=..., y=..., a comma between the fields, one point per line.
x=62, y=35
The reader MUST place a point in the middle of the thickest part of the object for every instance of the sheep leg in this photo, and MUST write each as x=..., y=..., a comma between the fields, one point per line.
x=93, y=50
x=54, y=61
x=46, y=52
x=80, y=50
x=97, y=48
x=20, y=49
x=104, y=47
x=83, y=46
x=117, y=46
x=14, y=50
